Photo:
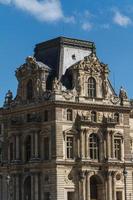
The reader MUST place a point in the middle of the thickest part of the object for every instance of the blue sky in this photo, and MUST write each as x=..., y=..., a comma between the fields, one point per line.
x=23, y=23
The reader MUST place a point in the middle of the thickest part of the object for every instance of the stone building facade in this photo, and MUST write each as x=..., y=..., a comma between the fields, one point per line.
x=66, y=135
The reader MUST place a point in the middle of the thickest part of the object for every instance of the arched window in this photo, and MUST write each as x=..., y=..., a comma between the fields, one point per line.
x=27, y=188
x=30, y=90
x=96, y=187
x=28, y=148
x=91, y=87
x=69, y=115
x=116, y=117
x=94, y=146
x=93, y=116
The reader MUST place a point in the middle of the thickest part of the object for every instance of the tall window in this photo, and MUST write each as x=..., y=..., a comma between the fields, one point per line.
x=117, y=148
x=93, y=116
x=69, y=147
x=11, y=151
x=46, y=115
x=28, y=148
x=29, y=90
x=116, y=117
x=46, y=148
x=69, y=115
x=93, y=146
x=91, y=87
x=27, y=188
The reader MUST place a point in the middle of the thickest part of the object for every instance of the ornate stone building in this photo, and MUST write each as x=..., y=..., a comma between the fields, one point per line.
x=66, y=135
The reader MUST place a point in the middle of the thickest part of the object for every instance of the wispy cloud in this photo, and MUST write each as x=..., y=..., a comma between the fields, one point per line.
x=43, y=10
x=87, y=26
x=85, y=20
x=105, y=26
x=121, y=20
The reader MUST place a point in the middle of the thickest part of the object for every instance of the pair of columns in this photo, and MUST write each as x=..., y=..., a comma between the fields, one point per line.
x=107, y=187
x=19, y=190
x=34, y=146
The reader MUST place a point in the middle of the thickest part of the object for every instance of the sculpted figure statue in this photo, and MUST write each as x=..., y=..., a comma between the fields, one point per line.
x=105, y=87
x=56, y=84
x=123, y=93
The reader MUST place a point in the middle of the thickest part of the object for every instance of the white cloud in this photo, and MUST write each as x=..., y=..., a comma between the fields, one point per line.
x=86, y=26
x=44, y=10
x=121, y=20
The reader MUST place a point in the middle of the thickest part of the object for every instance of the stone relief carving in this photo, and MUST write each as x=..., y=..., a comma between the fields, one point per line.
x=67, y=94
x=115, y=100
x=30, y=67
x=56, y=85
x=90, y=64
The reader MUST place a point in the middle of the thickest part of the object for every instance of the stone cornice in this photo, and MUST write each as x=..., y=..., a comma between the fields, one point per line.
x=67, y=42
x=66, y=104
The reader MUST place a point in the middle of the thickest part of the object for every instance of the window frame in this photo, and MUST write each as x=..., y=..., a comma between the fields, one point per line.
x=93, y=116
x=117, y=147
x=69, y=149
x=94, y=146
x=92, y=87
x=46, y=115
x=117, y=117
x=46, y=156
x=69, y=114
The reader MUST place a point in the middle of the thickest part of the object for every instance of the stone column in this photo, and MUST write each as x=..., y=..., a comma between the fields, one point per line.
x=32, y=186
x=17, y=148
x=105, y=148
x=81, y=138
x=87, y=186
x=122, y=150
x=86, y=145
x=36, y=144
x=83, y=145
x=36, y=186
x=1, y=188
x=82, y=186
x=32, y=146
x=108, y=145
x=114, y=187
x=109, y=186
x=17, y=183
x=78, y=147
x=113, y=149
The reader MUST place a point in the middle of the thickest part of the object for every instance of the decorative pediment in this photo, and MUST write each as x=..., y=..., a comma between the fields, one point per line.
x=91, y=64
x=30, y=67
x=70, y=132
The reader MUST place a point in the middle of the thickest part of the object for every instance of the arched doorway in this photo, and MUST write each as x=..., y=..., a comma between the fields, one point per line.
x=27, y=188
x=96, y=188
